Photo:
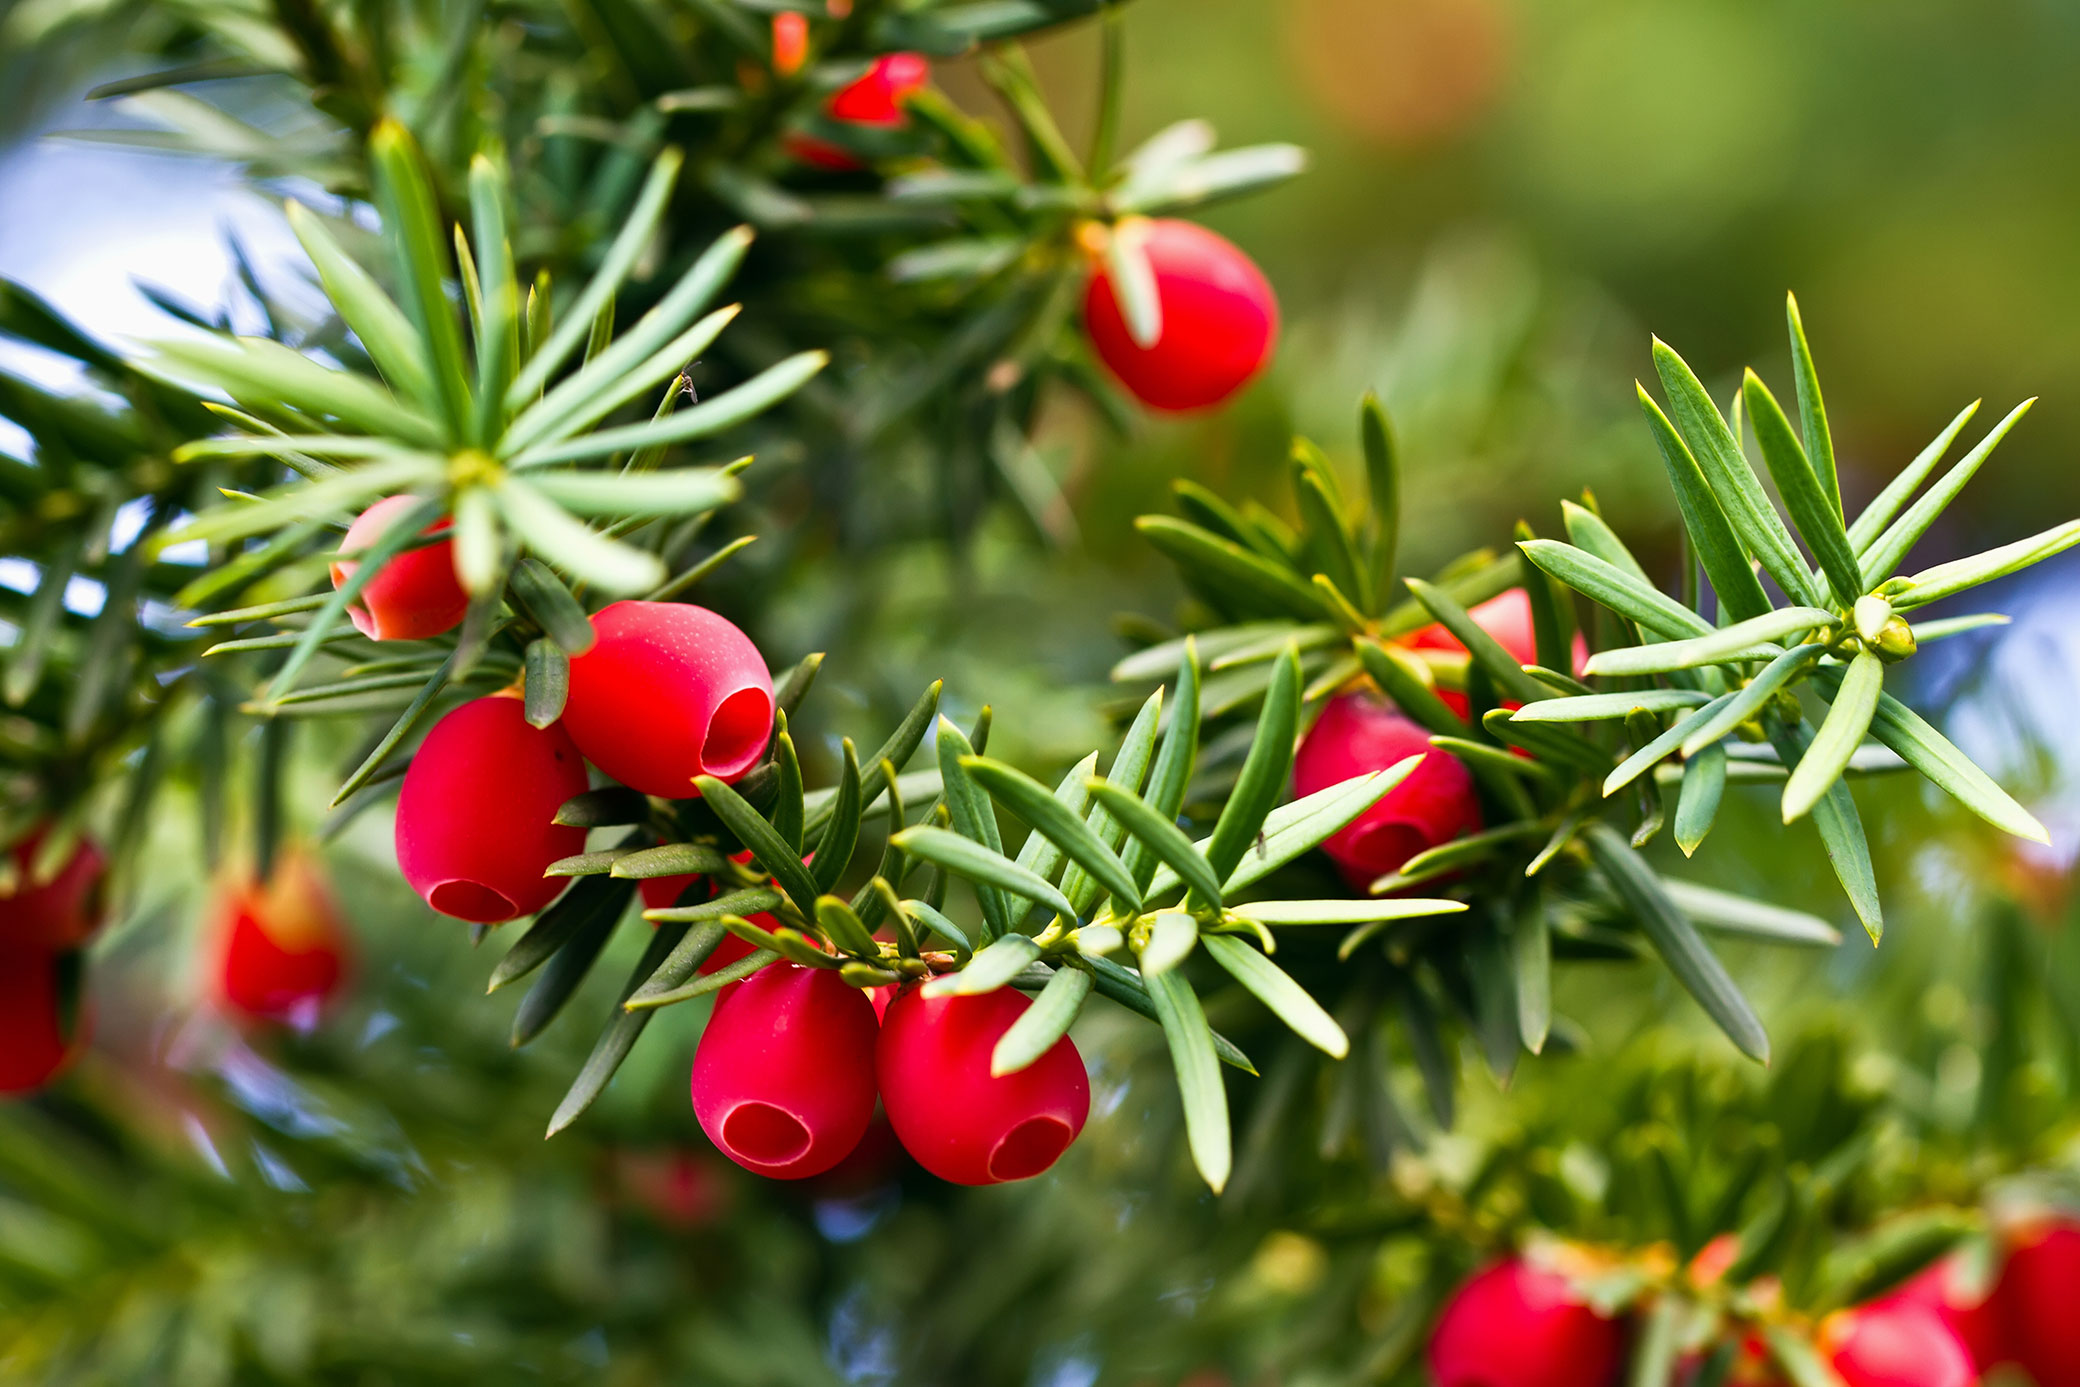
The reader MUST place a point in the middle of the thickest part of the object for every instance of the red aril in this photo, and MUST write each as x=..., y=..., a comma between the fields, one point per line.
x=36, y=1034
x=1974, y=1319
x=416, y=594
x=874, y=100
x=669, y=691
x=955, y=1118
x=1219, y=318
x=2035, y=1300
x=60, y=913
x=1358, y=733
x=281, y=949
x=1894, y=1343
x=1508, y=619
x=476, y=818
x=790, y=42
x=783, y=1081
x=1517, y=1325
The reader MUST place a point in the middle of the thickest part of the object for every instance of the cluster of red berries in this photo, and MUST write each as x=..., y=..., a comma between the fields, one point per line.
x=1360, y=732
x=794, y=1059
x=43, y=925
x=1517, y=1324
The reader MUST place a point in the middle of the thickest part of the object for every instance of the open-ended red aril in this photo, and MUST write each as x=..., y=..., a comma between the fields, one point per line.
x=1894, y=1343
x=476, y=818
x=956, y=1119
x=281, y=949
x=1219, y=319
x=1517, y=1325
x=416, y=594
x=36, y=1034
x=783, y=1081
x=1358, y=733
x=60, y=913
x=667, y=692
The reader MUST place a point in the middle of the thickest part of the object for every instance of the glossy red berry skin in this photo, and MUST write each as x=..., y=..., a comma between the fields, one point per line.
x=281, y=947
x=1894, y=1343
x=952, y=1116
x=475, y=826
x=669, y=691
x=1220, y=320
x=875, y=100
x=416, y=595
x=1358, y=733
x=62, y=913
x=783, y=1081
x=1516, y=1325
x=35, y=1041
x=1508, y=619
x=2035, y=1301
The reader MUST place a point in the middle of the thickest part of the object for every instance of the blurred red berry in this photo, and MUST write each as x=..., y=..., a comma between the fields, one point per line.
x=475, y=820
x=36, y=1034
x=875, y=100
x=783, y=1081
x=1975, y=1320
x=61, y=913
x=669, y=691
x=1220, y=319
x=2035, y=1298
x=1516, y=1325
x=281, y=948
x=680, y=1189
x=661, y=893
x=790, y=42
x=1894, y=1343
x=1358, y=733
x=416, y=595
x=1508, y=619
x=955, y=1118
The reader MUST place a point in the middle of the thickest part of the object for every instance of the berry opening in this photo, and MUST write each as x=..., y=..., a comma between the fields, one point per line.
x=471, y=900
x=737, y=733
x=761, y=1134
x=1029, y=1148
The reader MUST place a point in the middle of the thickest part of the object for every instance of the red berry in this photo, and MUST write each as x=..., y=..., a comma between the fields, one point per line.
x=416, y=595
x=1894, y=1343
x=1508, y=619
x=783, y=1081
x=669, y=691
x=2035, y=1302
x=61, y=913
x=680, y=1189
x=36, y=1035
x=876, y=97
x=1219, y=319
x=1516, y=1325
x=475, y=826
x=1975, y=1320
x=281, y=948
x=1358, y=733
x=958, y=1121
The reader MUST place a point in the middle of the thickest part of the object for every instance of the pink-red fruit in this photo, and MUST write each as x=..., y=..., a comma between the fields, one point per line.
x=1219, y=319
x=1508, y=619
x=667, y=692
x=475, y=820
x=281, y=950
x=2036, y=1297
x=1974, y=1319
x=416, y=594
x=955, y=1118
x=1358, y=733
x=61, y=913
x=1894, y=1343
x=874, y=99
x=1517, y=1325
x=783, y=1081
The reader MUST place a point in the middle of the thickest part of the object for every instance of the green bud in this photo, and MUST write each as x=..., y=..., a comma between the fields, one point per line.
x=1895, y=641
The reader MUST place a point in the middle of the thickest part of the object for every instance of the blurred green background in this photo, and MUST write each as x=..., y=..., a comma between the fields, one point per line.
x=1505, y=200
